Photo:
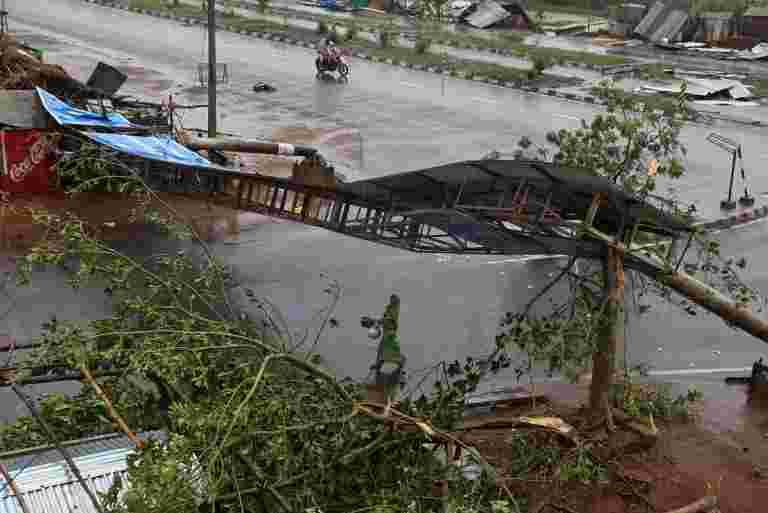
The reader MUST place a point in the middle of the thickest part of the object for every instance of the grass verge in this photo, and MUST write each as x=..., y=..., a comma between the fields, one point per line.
x=466, y=68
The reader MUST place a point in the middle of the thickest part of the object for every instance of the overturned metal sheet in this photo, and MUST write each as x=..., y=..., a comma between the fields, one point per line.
x=488, y=13
x=21, y=109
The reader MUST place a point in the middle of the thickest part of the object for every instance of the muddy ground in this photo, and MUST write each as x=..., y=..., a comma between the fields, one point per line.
x=686, y=459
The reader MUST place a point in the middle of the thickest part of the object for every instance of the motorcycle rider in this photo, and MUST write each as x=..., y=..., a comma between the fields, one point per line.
x=328, y=51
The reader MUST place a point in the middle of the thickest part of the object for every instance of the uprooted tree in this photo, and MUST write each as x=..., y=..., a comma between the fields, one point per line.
x=632, y=145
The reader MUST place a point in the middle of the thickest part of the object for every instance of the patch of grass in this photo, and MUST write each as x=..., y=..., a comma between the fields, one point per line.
x=654, y=71
x=666, y=104
x=565, y=6
x=422, y=44
x=642, y=401
x=148, y=4
x=562, y=56
x=256, y=25
x=759, y=87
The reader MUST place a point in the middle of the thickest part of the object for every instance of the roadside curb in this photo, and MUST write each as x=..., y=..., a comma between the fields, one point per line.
x=434, y=70
x=741, y=217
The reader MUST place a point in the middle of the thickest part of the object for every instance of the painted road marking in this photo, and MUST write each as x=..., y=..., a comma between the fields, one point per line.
x=484, y=100
x=524, y=259
x=566, y=116
x=689, y=372
x=409, y=84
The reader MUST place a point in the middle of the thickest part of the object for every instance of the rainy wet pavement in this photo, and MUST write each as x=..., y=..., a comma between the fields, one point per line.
x=450, y=306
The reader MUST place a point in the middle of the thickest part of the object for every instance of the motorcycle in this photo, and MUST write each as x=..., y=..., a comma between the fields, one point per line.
x=332, y=60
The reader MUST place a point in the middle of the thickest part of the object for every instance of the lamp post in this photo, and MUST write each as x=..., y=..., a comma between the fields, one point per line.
x=734, y=149
x=212, y=68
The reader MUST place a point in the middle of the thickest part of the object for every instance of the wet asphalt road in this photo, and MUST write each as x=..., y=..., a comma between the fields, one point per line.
x=450, y=308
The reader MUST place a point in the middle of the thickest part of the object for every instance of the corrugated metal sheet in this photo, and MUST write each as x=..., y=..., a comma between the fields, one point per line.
x=662, y=22
x=48, y=484
x=86, y=448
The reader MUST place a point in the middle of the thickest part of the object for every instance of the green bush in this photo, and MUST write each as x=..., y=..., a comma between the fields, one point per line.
x=385, y=38
x=322, y=27
x=422, y=44
x=353, y=31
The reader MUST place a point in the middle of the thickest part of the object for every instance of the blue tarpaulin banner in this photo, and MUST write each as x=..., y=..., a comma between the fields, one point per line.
x=163, y=149
x=65, y=114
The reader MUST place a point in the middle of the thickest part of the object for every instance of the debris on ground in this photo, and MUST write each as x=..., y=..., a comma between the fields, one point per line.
x=21, y=69
x=492, y=13
x=263, y=87
x=733, y=92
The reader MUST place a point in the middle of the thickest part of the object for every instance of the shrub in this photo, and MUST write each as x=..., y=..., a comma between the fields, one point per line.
x=422, y=44
x=322, y=27
x=353, y=31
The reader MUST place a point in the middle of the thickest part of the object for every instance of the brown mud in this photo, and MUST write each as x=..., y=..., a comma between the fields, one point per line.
x=724, y=451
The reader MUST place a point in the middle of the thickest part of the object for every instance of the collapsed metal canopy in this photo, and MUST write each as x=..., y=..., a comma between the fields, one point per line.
x=498, y=187
x=496, y=206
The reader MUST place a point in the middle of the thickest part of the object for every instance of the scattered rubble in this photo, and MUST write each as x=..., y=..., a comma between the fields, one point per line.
x=21, y=69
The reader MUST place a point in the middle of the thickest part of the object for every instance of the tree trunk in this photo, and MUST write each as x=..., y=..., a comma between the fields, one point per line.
x=604, y=359
x=711, y=299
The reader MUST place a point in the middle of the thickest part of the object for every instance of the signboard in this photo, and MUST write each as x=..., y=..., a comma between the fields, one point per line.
x=28, y=157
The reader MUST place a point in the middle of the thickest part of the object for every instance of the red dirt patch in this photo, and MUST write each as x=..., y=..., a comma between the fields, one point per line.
x=680, y=469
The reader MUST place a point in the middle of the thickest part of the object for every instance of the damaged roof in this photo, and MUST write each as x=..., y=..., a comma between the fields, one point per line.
x=663, y=21
x=703, y=87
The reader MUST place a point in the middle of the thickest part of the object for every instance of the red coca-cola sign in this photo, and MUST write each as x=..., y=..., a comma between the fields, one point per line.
x=28, y=157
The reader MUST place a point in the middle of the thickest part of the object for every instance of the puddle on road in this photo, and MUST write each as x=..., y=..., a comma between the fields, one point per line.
x=211, y=221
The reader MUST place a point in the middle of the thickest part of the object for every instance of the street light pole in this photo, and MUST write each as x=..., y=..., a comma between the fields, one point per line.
x=212, y=68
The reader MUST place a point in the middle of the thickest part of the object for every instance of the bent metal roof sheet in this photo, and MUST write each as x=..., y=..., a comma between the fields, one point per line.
x=47, y=483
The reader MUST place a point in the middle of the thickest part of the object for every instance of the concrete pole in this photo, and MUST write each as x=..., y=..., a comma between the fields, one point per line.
x=212, y=114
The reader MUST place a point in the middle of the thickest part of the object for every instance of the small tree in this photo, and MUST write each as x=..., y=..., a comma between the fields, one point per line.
x=539, y=64
x=631, y=145
x=353, y=31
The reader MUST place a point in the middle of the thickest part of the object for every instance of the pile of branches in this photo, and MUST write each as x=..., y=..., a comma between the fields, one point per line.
x=255, y=423
x=20, y=69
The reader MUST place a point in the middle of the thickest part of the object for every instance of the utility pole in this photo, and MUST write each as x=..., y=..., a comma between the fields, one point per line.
x=212, y=68
x=3, y=19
